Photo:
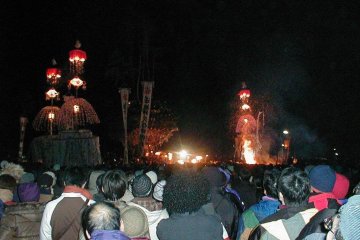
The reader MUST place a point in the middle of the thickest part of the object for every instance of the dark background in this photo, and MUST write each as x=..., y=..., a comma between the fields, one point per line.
x=301, y=57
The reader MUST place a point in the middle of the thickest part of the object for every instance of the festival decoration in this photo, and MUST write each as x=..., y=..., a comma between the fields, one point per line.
x=145, y=113
x=53, y=74
x=76, y=112
x=77, y=59
x=52, y=94
x=124, y=94
x=45, y=120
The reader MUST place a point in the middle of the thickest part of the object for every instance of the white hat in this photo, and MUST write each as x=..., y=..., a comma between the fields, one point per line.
x=153, y=176
x=159, y=190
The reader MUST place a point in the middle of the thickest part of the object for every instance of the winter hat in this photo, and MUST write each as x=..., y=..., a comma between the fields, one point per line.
x=14, y=170
x=214, y=176
x=153, y=176
x=28, y=192
x=341, y=186
x=141, y=186
x=27, y=178
x=159, y=190
x=322, y=178
x=135, y=222
x=350, y=218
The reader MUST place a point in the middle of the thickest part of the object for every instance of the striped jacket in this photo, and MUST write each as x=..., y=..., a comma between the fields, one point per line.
x=284, y=229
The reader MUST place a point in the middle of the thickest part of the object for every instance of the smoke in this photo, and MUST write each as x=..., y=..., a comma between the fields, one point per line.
x=283, y=87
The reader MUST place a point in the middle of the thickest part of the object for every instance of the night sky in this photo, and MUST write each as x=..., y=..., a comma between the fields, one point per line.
x=301, y=57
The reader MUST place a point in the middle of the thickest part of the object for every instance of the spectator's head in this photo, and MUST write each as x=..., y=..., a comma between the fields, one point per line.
x=28, y=192
x=99, y=184
x=14, y=170
x=74, y=176
x=135, y=222
x=100, y=216
x=341, y=186
x=27, y=178
x=141, y=186
x=114, y=184
x=270, y=183
x=356, y=189
x=94, y=175
x=7, y=182
x=7, y=185
x=294, y=187
x=244, y=174
x=45, y=182
x=322, y=178
x=185, y=192
x=215, y=177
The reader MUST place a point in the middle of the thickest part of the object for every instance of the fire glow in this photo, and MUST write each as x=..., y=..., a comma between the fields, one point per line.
x=249, y=153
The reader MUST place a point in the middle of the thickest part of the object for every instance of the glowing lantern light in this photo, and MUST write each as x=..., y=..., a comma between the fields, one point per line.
x=77, y=59
x=198, y=158
x=157, y=153
x=52, y=94
x=244, y=93
x=77, y=82
x=245, y=107
x=170, y=156
x=76, y=108
x=51, y=116
x=194, y=161
x=53, y=76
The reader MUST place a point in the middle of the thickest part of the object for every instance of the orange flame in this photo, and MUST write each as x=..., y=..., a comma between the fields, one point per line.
x=249, y=153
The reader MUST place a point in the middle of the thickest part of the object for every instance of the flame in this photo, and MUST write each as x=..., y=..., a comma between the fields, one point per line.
x=249, y=153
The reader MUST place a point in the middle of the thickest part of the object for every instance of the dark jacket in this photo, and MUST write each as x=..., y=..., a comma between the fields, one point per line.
x=21, y=221
x=197, y=226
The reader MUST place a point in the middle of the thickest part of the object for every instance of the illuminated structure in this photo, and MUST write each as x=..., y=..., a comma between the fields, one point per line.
x=246, y=130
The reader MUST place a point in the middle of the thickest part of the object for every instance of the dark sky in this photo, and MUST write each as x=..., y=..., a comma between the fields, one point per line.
x=301, y=57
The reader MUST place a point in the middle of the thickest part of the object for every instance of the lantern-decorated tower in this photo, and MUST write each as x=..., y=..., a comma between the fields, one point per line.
x=245, y=139
x=77, y=58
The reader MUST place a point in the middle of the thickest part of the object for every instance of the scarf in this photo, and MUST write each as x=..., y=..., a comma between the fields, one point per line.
x=75, y=189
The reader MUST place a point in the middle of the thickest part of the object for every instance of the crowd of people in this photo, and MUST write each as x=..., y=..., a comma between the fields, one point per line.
x=168, y=202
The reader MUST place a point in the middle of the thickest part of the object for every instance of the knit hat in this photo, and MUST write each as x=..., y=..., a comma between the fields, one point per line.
x=159, y=190
x=350, y=218
x=27, y=178
x=322, y=178
x=141, y=186
x=214, y=176
x=28, y=192
x=135, y=222
x=341, y=186
x=153, y=176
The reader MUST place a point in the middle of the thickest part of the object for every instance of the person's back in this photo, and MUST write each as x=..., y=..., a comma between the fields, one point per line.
x=190, y=226
x=61, y=218
x=21, y=221
x=267, y=206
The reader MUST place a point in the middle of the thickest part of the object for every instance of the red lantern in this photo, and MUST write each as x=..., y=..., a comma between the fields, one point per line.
x=77, y=58
x=53, y=76
x=244, y=93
